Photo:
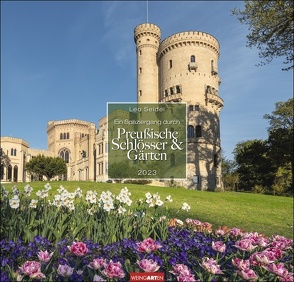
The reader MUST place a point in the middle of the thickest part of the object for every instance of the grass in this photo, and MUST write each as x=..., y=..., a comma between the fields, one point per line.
x=252, y=212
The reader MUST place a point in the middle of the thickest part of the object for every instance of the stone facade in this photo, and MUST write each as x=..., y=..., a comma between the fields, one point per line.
x=181, y=68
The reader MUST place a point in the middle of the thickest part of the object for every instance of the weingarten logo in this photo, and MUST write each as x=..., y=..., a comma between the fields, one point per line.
x=147, y=140
x=146, y=276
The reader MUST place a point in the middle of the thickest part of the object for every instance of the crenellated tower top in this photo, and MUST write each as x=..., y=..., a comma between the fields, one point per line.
x=147, y=29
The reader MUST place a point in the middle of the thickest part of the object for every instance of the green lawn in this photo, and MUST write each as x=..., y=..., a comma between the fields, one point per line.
x=251, y=212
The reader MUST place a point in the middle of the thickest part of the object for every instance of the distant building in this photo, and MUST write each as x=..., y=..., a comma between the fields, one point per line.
x=181, y=68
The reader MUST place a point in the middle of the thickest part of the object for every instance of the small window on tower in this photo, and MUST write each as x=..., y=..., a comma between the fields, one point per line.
x=140, y=70
x=170, y=64
x=198, y=131
x=140, y=92
x=140, y=52
x=196, y=107
x=192, y=64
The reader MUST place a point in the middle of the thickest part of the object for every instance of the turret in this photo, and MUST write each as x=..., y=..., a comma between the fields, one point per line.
x=147, y=39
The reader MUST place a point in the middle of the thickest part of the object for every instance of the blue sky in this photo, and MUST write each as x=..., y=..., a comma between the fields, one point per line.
x=67, y=59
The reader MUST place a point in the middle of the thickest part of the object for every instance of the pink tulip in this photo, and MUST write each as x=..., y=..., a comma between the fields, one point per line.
x=44, y=256
x=148, y=245
x=219, y=246
x=235, y=232
x=78, y=248
x=65, y=270
x=113, y=270
x=245, y=245
x=186, y=278
x=96, y=263
x=211, y=266
x=31, y=268
x=278, y=269
x=241, y=264
x=180, y=269
x=247, y=274
x=262, y=258
x=148, y=265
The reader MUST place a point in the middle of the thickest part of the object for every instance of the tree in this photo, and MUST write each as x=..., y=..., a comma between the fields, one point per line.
x=120, y=171
x=46, y=166
x=5, y=161
x=254, y=167
x=280, y=133
x=230, y=175
x=271, y=25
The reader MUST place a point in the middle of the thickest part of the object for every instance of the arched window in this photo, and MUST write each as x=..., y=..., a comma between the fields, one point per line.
x=64, y=135
x=2, y=172
x=198, y=131
x=9, y=173
x=192, y=59
x=11, y=153
x=14, y=152
x=64, y=154
x=61, y=136
x=67, y=135
x=190, y=131
x=191, y=108
x=15, y=172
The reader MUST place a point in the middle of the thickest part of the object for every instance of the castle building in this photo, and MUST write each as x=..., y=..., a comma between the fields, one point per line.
x=181, y=68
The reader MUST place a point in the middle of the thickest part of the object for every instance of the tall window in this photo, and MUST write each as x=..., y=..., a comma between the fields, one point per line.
x=190, y=131
x=170, y=64
x=198, y=131
x=64, y=154
x=13, y=152
x=178, y=89
x=15, y=173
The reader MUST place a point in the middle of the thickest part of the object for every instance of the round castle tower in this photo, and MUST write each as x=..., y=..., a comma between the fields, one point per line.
x=147, y=39
x=184, y=68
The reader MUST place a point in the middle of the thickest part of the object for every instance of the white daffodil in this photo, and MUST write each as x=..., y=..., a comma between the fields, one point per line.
x=121, y=210
x=33, y=203
x=108, y=206
x=14, y=202
x=185, y=207
x=158, y=202
x=148, y=195
x=128, y=202
x=169, y=199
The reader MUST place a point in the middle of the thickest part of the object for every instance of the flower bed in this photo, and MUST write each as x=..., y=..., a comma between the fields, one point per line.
x=183, y=251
